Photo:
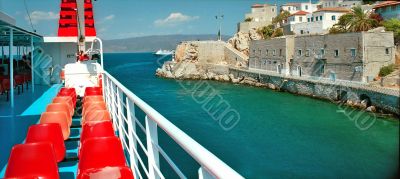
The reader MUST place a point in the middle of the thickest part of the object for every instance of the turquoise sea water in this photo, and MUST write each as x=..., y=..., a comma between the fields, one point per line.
x=278, y=135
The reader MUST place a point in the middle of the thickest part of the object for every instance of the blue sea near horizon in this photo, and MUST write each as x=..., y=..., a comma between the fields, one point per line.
x=279, y=135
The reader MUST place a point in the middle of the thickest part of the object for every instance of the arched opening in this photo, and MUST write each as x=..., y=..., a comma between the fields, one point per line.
x=299, y=72
x=365, y=99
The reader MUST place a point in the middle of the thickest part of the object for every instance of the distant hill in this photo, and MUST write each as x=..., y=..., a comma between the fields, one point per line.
x=152, y=43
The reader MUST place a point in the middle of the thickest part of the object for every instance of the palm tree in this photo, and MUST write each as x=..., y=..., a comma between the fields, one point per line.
x=355, y=21
x=361, y=20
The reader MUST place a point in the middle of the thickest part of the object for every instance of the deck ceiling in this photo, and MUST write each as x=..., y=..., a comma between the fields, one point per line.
x=21, y=37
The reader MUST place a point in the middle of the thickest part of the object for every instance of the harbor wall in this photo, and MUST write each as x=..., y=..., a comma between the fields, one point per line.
x=385, y=100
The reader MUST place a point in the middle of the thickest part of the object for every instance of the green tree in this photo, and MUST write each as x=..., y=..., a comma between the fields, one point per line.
x=277, y=33
x=266, y=31
x=393, y=25
x=356, y=21
x=283, y=16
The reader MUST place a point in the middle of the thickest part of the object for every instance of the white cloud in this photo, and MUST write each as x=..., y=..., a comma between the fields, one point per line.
x=175, y=19
x=110, y=17
x=37, y=16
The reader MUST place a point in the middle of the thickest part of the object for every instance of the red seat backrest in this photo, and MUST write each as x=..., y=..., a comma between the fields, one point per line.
x=107, y=172
x=60, y=118
x=32, y=160
x=50, y=132
x=100, y=152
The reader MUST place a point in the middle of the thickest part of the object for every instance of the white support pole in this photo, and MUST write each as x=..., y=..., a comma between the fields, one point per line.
x=152, y=149
x=130, y=108
x=11, y=67
x=32, y=69
x=120, y=113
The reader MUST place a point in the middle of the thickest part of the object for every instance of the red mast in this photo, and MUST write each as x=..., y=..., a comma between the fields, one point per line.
x=68, y=23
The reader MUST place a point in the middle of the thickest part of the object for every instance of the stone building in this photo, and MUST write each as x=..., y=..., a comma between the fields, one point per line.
x=261, y=15
x=272, y=55
x=348, y=56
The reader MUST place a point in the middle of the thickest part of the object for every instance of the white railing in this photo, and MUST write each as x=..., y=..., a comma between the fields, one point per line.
x=122, y=104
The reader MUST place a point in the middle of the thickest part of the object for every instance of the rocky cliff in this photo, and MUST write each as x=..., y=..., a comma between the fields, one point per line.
x=241, y=40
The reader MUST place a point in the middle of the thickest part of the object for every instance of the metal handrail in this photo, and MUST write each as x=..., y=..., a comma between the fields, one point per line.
x=211, y=166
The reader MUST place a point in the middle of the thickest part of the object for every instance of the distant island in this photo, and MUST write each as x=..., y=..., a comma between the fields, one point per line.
x=153, y=43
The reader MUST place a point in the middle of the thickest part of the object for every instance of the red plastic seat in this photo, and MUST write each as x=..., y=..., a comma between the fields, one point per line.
x=92, y=106
x=60, y=118
x=65, y=105
x=93, y=92
x=65, y=99
x=94, y=154
x=108, y=172
x=19, y=79
x=68, y=92
x=97, y=98
x=33, y=160
x=60, y=107
x=96, y=129
x=96, y=115
x=50, y=132
x=6, y=84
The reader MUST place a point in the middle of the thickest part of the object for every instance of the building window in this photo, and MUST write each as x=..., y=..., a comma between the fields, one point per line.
x=274, y=52
x=316, y=18
x=280, y=52
x=322, y=51
x=306, y=7
x=333, y=18
x=289, y=9
x=301, y=31
x=336, y=53
x=320, y=18
x=299, y=52
x=312, y=19
x=301, y=19
x=266, y=52
x=353, y=52
x=307, y=53
x=254, y=52
x=273, y=10
x=387, y=51
x=308, y=19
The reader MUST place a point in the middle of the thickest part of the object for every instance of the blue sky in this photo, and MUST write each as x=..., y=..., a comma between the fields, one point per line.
x=131, y=18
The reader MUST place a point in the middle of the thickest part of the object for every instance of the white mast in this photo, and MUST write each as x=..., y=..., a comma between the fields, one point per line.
x=81, y=24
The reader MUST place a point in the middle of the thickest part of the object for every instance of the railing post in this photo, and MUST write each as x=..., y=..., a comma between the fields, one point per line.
x=113, y=107
x=152, y=150
x=120, y=108
x=204, y=174
x=130, y=108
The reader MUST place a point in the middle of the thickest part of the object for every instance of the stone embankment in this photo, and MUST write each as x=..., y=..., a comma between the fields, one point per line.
x=220, y=61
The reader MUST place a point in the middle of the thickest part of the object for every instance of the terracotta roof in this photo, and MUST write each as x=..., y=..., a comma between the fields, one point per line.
x=333, y=9
x=259, y=5
x=386, y=3
x=300, y=13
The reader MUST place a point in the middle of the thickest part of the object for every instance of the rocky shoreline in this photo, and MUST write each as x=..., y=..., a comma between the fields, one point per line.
x=191, y=71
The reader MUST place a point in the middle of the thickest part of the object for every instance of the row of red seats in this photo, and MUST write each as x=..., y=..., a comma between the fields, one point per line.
x=44, y=145
x=98, y=132
x=100, y=151
x=19, y=81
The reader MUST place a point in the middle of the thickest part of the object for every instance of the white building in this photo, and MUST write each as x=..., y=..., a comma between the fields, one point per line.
x=340, y=3
x=261, y=15
x=295, y=18
x=320, y=21
x=295, y=7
